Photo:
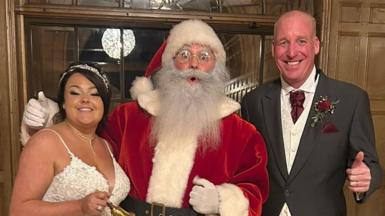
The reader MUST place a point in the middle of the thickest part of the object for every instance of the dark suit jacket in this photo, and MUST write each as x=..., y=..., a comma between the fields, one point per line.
x=315, y=184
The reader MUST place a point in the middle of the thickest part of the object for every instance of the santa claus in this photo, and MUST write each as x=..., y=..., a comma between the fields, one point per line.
x=181, y=144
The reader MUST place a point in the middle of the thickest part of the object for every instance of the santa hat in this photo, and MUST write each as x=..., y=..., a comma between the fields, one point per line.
x=193, y=31
x=142, y=85
x=186, y=32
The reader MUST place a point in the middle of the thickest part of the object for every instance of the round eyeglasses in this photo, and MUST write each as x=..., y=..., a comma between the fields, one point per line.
x=185, y=56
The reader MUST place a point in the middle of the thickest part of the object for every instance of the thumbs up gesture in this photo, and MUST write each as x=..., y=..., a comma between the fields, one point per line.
x=359, y=174
x=38, y=114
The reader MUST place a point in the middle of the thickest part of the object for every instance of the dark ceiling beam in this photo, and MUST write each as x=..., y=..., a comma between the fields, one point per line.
x=145, y=18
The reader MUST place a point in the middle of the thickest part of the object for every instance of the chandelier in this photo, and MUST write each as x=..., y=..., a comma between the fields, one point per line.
x=112, y=42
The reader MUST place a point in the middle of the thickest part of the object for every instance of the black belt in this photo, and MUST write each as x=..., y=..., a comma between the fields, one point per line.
x=141, y=208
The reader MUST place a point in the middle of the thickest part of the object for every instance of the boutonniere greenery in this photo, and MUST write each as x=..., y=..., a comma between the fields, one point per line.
x=323, y=108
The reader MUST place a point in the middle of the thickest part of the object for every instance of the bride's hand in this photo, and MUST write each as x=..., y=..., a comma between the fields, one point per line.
x=94, y=203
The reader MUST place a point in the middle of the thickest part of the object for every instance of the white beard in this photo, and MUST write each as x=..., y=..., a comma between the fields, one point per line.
x=189, y=109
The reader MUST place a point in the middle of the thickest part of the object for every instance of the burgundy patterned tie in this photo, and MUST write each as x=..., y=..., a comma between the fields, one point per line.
x=296, y=100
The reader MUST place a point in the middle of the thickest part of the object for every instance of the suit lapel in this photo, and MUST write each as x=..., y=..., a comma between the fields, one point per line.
x=309, y=135
x=271, y=110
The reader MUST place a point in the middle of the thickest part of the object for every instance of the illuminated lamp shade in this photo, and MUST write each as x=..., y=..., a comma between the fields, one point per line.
x=112, y=45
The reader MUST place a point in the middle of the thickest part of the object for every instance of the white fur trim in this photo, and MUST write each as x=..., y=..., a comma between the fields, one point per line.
x=232, y=201
x=150, y=101
x=193, y=31
x=139, y=86
x=228, y=106
x=24, y=135
x=172, y=164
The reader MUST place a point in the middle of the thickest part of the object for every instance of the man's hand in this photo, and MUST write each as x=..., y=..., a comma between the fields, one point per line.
x=204, y=197
x=39, y=113
x=359, y=174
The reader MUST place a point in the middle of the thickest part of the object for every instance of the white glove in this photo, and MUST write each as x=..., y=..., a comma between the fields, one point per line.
x=37, y=114
x=204, y=197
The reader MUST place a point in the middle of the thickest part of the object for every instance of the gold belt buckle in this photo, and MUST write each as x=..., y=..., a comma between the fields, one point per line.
x=118, y=211
x=163, y=207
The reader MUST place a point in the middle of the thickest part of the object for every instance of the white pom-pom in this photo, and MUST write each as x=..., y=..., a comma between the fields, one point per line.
x=139, y=86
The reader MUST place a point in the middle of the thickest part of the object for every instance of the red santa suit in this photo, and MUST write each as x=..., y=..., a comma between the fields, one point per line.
x=163, y=172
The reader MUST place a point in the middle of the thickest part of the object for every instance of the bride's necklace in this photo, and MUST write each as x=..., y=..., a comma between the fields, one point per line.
x=88, y=138
x=80, y=134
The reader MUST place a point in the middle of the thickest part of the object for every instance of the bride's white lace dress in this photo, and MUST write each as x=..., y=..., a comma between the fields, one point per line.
x=79, y=179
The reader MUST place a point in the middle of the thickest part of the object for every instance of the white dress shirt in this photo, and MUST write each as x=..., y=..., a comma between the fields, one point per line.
x=292, y=132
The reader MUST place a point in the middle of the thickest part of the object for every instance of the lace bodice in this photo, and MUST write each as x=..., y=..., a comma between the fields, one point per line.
x=79, y=179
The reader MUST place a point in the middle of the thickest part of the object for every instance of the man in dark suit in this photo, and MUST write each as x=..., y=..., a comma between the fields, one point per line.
x=318, y=131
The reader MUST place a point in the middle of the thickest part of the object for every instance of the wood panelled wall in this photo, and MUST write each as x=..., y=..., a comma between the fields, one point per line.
x=356, y=51
x=9, y=110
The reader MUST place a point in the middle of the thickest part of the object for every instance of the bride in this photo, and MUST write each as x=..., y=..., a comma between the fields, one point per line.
x=67, y=169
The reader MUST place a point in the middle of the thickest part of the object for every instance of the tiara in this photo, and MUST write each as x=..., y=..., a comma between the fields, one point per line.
x=89, y=68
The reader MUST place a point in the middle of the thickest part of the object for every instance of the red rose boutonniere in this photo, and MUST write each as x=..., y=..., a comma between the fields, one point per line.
x=323, y=108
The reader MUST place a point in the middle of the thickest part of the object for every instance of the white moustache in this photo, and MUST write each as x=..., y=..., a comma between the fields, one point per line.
x=187, y=74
